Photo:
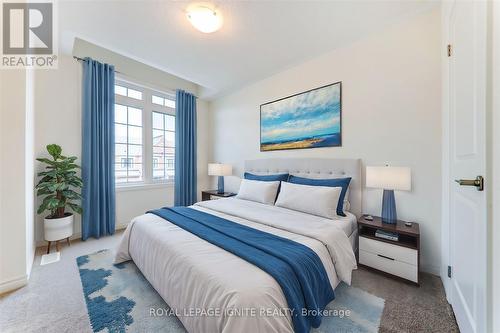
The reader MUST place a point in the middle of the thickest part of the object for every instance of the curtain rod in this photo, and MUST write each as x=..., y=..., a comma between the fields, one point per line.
x=81, y=59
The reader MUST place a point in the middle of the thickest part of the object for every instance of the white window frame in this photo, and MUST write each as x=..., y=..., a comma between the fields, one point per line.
x=147, y=107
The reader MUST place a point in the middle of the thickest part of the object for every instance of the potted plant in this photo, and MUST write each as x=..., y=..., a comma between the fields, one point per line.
x=59, y=185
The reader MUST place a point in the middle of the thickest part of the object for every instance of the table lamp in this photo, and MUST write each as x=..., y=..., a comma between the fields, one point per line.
x=221, y=170
x=389, y=179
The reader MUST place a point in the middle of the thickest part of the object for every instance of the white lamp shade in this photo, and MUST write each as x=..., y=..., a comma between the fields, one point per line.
x=389, y=178
x=218, y=169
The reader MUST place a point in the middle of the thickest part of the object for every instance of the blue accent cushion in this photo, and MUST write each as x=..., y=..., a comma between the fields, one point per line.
x=334, y=182
x=282, y=177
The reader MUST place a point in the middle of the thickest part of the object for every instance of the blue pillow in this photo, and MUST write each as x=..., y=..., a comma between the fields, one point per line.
x=282, y=177
x=334, y=182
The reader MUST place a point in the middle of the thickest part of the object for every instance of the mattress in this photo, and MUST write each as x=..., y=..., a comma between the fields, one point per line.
x=348, y=223
x=191, y=273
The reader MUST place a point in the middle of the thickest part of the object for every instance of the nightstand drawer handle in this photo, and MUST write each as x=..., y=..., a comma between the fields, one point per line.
x=385, y=257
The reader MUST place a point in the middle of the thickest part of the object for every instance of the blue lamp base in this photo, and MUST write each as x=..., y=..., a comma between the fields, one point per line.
x=389, y=207
x=220, y=185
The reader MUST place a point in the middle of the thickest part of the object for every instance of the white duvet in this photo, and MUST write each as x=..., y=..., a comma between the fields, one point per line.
x=202, y=283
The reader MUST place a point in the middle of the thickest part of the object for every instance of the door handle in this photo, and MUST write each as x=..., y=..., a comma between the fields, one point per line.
x=478, y=182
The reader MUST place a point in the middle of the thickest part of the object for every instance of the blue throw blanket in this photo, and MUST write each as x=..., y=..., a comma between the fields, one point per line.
x=298, y=269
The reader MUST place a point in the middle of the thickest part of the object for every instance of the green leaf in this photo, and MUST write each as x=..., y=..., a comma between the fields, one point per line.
x=45, y=178
x=47, y=198
x=53, y=187
x=75, y=183
x=75, y=207
x=54, y=151
x=73, y=166
x=47, y=161
x=52, y=203
x=70, y=194
x=43, y=184
x=42, y=208
x=43, y=191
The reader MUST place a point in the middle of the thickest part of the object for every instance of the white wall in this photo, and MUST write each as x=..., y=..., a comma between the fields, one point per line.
x=29, y=172
x=133, y=69
x=391, y=113
x=2, y=186
x=58, y=120
x=16, y=185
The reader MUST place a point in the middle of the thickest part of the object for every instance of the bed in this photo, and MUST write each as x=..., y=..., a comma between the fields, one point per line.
x=201, y=281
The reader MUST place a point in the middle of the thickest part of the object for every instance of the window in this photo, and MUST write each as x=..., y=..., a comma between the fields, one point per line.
x=127, y=162
x=169, y=103
x=128, y=144
x=163, y=145
x=144, y=135
x=128, y=92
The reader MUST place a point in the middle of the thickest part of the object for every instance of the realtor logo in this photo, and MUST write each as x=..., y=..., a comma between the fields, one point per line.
x=28, y=35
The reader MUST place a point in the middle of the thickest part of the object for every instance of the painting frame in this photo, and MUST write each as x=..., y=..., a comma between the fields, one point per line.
x=339, y=83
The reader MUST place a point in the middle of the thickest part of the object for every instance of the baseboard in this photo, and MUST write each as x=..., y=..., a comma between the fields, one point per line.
x=446, y=283
x=78, y=235
x=32, y=261
x=13, y=284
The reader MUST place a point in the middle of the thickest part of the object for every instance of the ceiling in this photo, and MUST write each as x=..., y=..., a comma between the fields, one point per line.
x=258, y=38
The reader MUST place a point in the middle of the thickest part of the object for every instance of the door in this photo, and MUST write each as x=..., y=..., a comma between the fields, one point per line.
x=467, y=108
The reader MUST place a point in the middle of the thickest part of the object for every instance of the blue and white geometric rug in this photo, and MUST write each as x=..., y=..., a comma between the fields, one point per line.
x=119, y=299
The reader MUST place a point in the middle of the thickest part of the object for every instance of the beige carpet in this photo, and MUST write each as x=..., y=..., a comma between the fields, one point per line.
x=53, y=300
x=409, y=308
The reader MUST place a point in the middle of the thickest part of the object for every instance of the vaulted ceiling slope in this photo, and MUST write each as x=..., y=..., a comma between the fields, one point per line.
x=258, y=39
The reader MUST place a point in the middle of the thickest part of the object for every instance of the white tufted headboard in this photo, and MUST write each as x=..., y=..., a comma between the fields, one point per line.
x=315, y=168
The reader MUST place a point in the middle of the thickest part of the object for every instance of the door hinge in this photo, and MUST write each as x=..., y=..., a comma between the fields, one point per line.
x=449, y=50
x=449, y=272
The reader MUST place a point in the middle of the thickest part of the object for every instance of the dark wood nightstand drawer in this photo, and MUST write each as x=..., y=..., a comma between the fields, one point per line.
x=210, y=195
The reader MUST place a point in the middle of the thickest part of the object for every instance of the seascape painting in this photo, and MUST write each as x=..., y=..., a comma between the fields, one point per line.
x=310, y=119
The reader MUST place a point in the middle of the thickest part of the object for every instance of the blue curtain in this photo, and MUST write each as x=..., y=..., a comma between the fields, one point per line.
x=185, y=149
x=98, y=149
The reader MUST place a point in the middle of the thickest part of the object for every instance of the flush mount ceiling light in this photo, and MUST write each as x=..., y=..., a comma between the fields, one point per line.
x=204, y=17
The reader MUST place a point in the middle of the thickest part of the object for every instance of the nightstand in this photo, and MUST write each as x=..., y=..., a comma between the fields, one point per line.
x=399, y=258
x=210, y=195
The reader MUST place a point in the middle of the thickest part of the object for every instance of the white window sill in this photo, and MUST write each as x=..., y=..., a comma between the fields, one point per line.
x=142, y=186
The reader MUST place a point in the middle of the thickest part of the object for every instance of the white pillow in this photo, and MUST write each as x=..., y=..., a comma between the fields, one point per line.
x=316, y=200
x=260, y=191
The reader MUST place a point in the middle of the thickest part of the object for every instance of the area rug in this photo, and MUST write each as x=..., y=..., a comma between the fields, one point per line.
x=120, y=299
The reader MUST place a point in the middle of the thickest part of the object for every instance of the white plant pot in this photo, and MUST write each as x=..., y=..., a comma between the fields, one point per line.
x=57, y=229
